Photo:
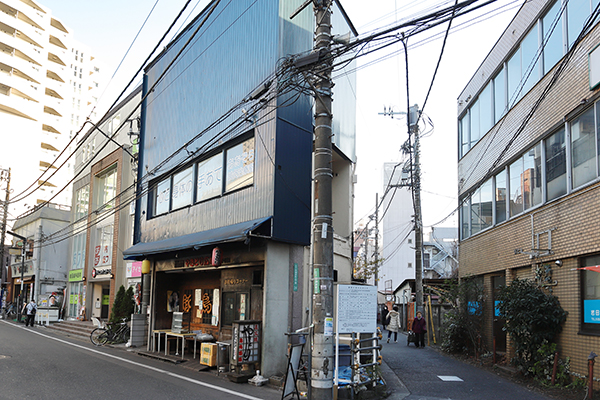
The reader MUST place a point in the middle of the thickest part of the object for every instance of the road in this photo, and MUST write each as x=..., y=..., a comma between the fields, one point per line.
x=425, y=374
x=36, y=363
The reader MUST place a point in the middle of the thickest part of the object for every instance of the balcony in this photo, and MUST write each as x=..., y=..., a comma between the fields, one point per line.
x=54, y=76
x=56, y=59
x=57, y=42
x=51, y=111
x=27, y=11
x=15, y=103
x=58, y=25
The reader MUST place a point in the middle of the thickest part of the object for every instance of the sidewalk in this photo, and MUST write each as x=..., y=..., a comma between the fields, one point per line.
x=427, y=374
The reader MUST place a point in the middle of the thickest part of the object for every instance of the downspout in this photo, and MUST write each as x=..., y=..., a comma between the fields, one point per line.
x=37, y=241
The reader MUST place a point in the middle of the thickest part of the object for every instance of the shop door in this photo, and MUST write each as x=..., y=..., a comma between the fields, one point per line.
x=499, y=333
x=105, y=302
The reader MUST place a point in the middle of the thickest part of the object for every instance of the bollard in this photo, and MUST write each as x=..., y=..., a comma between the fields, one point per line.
x=591, y=360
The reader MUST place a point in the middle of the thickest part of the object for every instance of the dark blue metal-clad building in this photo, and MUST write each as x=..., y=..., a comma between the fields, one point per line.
x=224, y=178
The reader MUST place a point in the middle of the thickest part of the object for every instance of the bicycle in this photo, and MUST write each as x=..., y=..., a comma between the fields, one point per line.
x=113, y=333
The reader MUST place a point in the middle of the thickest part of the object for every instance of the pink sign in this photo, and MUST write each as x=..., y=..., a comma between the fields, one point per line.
x=97, y=255
x=134, y=269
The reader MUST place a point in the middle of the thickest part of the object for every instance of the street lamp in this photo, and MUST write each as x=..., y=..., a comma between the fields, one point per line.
x=20, y=303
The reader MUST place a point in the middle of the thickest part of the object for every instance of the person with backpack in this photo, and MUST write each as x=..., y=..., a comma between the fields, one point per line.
x=31, y=310
x=393, y=324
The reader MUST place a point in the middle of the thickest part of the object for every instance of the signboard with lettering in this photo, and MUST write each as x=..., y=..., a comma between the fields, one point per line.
x=134, y=269
x=357, y=309
x=75, y=275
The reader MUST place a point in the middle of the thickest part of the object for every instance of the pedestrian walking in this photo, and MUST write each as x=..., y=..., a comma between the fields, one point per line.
x=394, y=324
x=31, y=310
x=384, y=314
x=419, y=327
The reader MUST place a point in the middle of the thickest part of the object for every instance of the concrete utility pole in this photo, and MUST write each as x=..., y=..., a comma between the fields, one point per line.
x=414, y=129
x=4, y=174
x=377, y=241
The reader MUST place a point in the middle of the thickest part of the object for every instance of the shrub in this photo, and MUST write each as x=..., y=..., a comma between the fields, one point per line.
x=462, y=324
x=123, y=305
x=533, y=318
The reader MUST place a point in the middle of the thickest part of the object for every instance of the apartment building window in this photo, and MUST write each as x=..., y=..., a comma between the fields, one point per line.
x=525, y=181
x=79, y=251
x=577, y=13
x=464, y=217
x=556, y=165
x=583, y=145
x=499, y=95
x=481, y=208
x=590, y=286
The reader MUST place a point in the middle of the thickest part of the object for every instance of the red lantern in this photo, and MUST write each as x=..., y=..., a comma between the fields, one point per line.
x=216, y=257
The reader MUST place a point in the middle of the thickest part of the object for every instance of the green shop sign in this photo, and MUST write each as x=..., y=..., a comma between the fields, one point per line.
x=76, y=275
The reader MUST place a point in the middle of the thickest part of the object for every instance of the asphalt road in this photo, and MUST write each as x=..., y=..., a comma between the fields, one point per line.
x=425, y=374
x=36, y=363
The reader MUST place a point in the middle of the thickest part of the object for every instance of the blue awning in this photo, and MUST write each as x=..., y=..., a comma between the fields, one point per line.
x=232, y=233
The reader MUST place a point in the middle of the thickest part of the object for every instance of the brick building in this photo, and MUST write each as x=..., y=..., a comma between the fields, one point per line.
x=529, y=182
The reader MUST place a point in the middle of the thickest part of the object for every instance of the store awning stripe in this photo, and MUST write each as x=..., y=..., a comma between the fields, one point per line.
x=232, y=233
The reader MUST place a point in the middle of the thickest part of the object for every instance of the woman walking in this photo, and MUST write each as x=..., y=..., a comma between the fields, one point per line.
x=394, y=325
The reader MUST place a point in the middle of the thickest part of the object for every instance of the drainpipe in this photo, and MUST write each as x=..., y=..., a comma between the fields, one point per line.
x=37, y=241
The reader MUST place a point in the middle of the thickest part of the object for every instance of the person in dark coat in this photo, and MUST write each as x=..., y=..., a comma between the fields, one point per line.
x=384, y=313
x=419, y=327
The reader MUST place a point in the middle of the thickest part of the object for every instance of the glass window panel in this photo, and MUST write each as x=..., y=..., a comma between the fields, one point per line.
x=82, y=201
x=532, y=182
x=514, y=77
x=499, y=96
x=476, y=217
x=464, y=220
x=485, y=109
x=464, y=131
x=107, y=189
x=577, y=13
x=210, y=178
x=162, y=197
x=529, y=59
x=556, y=165
x=79, y=251
x=474, y=123
x=240, y=165
x=501, y=196
x=598, y=130
x=486, y=204
x=590, y=283
x=515, y=172
x=583, y=143
x=553, y=50
x=183, y=188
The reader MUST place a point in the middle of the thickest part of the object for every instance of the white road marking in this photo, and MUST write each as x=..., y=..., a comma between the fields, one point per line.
x=208, y=385
x=450, y=378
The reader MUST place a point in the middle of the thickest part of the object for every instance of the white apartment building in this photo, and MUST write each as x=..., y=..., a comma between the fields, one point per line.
x=49, y=84
x=398, y=235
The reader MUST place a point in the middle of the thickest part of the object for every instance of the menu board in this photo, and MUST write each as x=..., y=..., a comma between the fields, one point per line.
x=357, y=309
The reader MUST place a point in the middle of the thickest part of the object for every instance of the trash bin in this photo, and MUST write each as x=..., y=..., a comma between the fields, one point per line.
x=223, y=349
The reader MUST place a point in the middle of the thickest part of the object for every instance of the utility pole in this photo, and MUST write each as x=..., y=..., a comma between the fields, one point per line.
x=23, y=253
x=377, y=241
x=413, y=126
x=322, y=365
x=322, y=362
x=415, y=173
x=4, y=174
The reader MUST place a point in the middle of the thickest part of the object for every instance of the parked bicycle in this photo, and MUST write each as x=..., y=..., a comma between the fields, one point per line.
x=112, y=333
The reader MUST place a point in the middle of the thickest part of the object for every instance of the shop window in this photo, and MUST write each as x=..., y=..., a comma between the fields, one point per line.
x=240, y=166
x=590, y=285
x=162, y=197
x=583, y=148
x=235, y=307
x=210, y=178
x=556, y=165
x=183, y=188
x=106, y=192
